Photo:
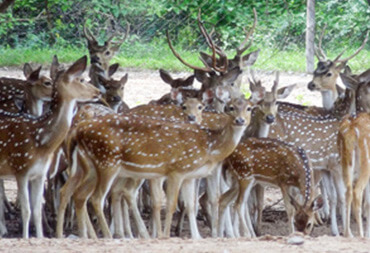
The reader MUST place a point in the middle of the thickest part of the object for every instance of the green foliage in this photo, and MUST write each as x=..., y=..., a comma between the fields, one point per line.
x=57, y=24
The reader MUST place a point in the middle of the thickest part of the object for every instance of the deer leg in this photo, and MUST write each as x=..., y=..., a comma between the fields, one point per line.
x=332, y=194
x=156, y=194
x=341, y=192
x=228, y=224
x=225, y=201
x=23, y=196
x=188, y=193
x=131, y=193
x=244, y=191
x=65, y=195
x=367, y=209
x=117, y=220
x=288, y=207
x=213, y=193
x=83, y=192
x=98, y=197
x=37, y=187
x=126, y=219
x=348, y=168
x=3, y=229
x=174, y=183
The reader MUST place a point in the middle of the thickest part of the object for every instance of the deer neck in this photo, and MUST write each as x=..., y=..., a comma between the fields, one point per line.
x=328, y=98
x=258, y=127
x=52, y=128
x=33, y=106
x=223, y=142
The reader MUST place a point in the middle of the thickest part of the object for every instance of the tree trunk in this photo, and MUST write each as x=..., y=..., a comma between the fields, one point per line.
x=310, y=36
x=5, y=4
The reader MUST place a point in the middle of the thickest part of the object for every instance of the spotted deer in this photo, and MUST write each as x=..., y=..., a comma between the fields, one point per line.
x=327, y=72
x=352, y=145
x=28, y=95
x=190, y=111
x=181, y=88
x=177, y=151
x=268, y=161
x=28, y=144
x=101, y=55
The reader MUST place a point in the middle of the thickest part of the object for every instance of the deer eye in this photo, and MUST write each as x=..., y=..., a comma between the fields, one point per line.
x=200, y=107
x=107, y=53
x=231, y=108
x=184, y=107
x=328, y=74
x=249, y=109
x=82, y=80
x=47, y=83
x=308, y=225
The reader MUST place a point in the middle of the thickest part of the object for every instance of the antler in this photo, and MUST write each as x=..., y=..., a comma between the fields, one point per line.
x=223, y=57
x=317, y=53
x=87, y=33
x=338, y=60
x=124, y=38
x=207, y=69
x=243, y=46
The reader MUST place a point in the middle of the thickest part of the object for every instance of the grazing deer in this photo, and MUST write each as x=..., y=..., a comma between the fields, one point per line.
x=25, y=95
x=273, y=162
x=28, y=144
x=179, y=152
x=101, y=55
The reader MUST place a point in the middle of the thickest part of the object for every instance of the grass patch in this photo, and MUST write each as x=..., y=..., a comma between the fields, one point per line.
x=158, y=55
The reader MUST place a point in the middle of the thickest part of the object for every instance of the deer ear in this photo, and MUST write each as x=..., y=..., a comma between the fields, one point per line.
x=54, y=68
x=341, y=66
x=285, y=91
x=293, y=202
x=176, y=95
x=232, y=75
x=349, y=81
x=318, y=203
x=34, y=75
x=113, y=69
x=189, y=81
x=166, y=77
x=208, y=96
x=124, y=79
x=251, y=58
x=27, y=70
x=76, y=69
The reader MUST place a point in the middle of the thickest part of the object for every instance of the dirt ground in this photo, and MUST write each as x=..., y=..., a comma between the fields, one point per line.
x=142, y=87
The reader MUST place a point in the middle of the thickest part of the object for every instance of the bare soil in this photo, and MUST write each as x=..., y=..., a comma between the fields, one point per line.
x=142, y=87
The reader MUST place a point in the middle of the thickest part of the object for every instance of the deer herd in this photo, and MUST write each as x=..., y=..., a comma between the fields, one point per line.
x=80, y=149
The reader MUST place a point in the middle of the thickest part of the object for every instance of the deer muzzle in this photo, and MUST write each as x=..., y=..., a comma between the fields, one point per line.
x=239, y=121
x=311, y=86
x=270, y=119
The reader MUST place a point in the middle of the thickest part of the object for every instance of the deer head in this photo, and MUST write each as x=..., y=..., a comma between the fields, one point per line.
x=114, y=89
x=361, y=85
x=102, y=54
x=327, y=72
x=304, y=219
